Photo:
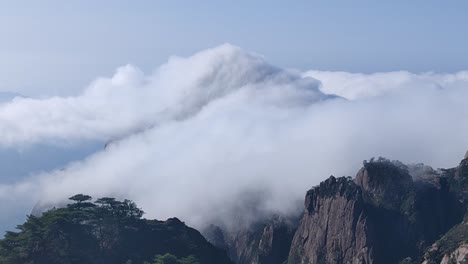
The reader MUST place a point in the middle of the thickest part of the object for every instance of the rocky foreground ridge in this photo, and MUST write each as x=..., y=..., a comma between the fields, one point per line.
x=389, y=213
x=106, y=231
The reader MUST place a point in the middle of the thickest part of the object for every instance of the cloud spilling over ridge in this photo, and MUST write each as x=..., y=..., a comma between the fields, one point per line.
x=205, y=137
x=129, y=101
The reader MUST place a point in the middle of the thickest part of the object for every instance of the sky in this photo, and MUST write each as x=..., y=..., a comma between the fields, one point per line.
x=57, y=47
x=205, y=109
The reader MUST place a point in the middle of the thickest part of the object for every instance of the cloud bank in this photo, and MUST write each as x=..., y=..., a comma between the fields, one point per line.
x=130, y=101
x=357, y=85
x=207, y=137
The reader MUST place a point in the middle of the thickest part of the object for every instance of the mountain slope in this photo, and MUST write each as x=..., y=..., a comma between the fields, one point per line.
x=106, y=231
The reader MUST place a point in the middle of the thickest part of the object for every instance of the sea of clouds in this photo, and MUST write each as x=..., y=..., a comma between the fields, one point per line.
x=223, y=135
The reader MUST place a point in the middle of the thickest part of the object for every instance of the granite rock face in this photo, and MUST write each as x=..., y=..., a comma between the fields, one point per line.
x=383, y=216
x=265, y=242
x=459, y=255
x=384, y=183
x=334, y=228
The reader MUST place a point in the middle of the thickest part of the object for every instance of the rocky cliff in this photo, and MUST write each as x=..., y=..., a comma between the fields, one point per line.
x=382, y=216
x=335, y=227
x=266, y=241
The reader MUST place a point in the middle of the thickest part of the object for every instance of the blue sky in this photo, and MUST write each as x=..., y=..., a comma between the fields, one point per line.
x=57, y=47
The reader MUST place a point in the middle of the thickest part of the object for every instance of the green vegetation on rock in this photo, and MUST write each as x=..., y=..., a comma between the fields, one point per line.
x=105, y=231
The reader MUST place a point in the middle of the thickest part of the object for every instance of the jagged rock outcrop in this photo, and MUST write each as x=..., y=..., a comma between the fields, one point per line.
x=383, y=216
x=384, y=184
x=334, y=228
x=458, y=256
x=265, y=242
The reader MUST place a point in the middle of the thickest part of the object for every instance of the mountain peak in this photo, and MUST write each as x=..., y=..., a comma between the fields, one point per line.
x=384, y=182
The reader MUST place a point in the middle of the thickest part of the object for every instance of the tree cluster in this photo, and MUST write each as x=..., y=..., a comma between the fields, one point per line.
x=104, y=231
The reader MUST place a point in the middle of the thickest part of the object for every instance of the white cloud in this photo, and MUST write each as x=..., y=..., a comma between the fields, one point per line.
x=130, y=101
x=224, y=125
x=357, y=85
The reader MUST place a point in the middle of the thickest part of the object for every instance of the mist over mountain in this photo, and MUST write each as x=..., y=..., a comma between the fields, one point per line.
x=389, y=213
x=198, y=134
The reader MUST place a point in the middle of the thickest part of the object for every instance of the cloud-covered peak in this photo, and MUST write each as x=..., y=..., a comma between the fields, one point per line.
x=131, y=100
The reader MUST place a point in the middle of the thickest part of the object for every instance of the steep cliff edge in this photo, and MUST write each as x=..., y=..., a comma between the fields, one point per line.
x=383, y=216
x=265, y=242
x=334, y=228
